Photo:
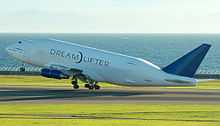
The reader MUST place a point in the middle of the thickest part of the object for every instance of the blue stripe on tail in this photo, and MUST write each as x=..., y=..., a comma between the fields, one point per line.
x=189, y=63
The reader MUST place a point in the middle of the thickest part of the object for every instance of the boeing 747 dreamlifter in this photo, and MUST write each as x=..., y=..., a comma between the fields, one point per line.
x=64, y=60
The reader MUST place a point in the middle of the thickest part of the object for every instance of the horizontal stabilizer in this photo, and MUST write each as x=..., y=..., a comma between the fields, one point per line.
x=189, y=63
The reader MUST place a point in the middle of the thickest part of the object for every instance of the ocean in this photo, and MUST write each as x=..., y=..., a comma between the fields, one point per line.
x=160, y=49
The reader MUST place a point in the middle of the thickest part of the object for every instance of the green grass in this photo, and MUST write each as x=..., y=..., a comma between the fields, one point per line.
x=6, y=80
x=215, y=84
x=109, y=115
x=46, y=82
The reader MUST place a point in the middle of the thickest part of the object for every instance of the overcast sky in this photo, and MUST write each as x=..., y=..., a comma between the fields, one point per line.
x=110, y=16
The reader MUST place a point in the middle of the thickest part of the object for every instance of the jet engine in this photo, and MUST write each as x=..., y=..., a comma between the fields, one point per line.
x=54, y=74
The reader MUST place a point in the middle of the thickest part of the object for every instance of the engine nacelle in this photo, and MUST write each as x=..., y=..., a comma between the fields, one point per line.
x=54, y=74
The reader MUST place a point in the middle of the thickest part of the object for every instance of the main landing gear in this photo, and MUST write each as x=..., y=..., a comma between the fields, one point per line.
x=90, y=85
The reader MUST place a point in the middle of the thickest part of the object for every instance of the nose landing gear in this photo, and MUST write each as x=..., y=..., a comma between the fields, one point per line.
x=75, y=83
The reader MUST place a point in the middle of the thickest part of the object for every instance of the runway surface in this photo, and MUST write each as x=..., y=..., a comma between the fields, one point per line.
x=107, y=95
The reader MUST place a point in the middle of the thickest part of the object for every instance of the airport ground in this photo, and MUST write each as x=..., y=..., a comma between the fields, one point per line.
x=34, y=100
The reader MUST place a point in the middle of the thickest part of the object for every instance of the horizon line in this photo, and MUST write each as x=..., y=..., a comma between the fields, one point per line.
x=108, y=33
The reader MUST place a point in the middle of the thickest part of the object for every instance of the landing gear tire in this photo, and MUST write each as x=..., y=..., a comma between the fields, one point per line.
x=76, y=86
x=97, y=87
x=75, y=83
x=92, y=86
x=87, y=85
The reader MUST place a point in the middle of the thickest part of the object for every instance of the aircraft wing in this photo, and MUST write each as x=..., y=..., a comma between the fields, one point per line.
x=71, y=72
x=64, y=69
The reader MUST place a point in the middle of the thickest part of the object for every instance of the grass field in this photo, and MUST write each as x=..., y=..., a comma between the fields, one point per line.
x=46, y=82
x=109, y=115
x=38, y=81
x=75, y=114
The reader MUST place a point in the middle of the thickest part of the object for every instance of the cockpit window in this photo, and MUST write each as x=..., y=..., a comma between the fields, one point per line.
x=19, y=42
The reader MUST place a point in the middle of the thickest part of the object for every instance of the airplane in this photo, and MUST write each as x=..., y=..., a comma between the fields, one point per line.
x=64, y=60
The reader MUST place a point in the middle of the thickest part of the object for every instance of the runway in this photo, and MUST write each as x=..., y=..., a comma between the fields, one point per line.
x=10, y=94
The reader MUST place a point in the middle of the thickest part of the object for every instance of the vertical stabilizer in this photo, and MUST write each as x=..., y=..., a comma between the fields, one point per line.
x=189, y=63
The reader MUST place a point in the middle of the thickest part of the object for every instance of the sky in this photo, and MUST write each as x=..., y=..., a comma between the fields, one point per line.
x=110, y=16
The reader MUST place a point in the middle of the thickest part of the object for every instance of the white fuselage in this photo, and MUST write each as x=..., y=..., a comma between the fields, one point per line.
x=100, y=65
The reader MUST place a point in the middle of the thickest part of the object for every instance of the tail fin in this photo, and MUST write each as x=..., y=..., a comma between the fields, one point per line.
x=189, y=63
